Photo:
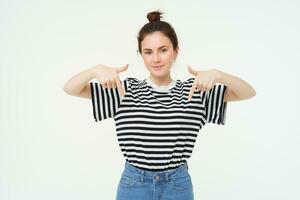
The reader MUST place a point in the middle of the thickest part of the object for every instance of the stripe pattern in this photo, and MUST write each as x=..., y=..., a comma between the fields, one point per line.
x=157, y=130
x=105, y=101
x=214, y=105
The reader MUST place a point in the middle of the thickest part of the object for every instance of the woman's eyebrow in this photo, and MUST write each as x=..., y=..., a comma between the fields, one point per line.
x=158, y=48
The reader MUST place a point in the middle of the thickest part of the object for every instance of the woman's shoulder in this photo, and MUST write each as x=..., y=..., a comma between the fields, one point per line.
x=134, y=82
x=137, y=81
x=140, y=80
x=189, y=80
x=132, y=79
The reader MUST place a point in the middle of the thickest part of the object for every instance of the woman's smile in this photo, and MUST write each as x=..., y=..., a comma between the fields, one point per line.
x=158, y=67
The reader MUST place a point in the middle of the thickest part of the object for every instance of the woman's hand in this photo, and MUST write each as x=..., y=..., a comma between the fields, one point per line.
x=108, y=77
x=204, y=80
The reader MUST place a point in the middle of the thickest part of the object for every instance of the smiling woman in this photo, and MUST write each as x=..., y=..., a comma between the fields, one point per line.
x=158, y=56
x=158, y=45
x=157, y=119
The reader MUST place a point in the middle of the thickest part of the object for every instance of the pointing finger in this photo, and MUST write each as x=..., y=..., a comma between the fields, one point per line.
x=120, y=88
x=192, y=90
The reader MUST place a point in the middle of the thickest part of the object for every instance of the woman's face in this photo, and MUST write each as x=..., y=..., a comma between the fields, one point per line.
x=158, y=54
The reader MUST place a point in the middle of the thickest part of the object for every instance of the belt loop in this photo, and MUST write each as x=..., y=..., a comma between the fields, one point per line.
x=167, y=176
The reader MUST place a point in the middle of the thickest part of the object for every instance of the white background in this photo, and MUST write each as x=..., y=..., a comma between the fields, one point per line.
x=51, y=147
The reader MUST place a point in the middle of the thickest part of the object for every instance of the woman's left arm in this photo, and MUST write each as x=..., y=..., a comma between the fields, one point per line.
x=237, y=89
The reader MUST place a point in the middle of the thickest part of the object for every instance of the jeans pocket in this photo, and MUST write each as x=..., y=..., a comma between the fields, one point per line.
x=182, y=183
x=126, y=180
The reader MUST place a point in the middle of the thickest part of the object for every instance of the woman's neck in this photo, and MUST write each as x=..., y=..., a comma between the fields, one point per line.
x=161, y=81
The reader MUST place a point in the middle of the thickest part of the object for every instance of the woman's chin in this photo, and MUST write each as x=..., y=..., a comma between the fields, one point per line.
x=159, y=74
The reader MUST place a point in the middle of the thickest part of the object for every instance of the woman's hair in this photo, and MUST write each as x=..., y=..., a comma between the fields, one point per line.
x=155, y=24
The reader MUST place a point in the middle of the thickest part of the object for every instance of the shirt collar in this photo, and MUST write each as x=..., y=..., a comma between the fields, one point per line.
x=163, y=88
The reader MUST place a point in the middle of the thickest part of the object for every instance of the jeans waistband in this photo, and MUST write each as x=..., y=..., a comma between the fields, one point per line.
x=167, y=174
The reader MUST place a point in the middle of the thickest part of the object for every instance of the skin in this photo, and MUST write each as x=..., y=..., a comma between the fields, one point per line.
x=157, y=50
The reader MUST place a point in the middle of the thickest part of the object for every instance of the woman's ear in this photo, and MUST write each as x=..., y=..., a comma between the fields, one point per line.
x=176, y=50
x=176, y=53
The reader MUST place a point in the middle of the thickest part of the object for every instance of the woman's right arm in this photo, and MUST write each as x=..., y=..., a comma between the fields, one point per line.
x=78, y=85
x=108, y=77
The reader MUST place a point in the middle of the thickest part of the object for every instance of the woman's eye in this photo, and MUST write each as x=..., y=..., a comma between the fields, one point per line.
x=164, y=50
x=147, y=52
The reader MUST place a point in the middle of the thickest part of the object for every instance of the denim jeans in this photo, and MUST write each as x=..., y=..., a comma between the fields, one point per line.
x=139, y=184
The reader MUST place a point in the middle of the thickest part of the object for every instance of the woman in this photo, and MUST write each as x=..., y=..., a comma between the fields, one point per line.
x=158, y=118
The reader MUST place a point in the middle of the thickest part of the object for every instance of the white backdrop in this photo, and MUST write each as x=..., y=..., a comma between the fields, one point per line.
x=50, y=145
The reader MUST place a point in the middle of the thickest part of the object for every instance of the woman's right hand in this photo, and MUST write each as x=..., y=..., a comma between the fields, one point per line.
x=108, y=77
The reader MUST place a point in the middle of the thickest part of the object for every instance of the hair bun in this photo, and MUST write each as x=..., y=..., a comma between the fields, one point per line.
x=154, y=16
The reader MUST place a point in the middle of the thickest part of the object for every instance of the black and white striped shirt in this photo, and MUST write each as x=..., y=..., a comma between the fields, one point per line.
x=157, y=130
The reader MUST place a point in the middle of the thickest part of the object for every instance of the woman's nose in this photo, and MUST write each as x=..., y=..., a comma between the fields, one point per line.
x=156, y=57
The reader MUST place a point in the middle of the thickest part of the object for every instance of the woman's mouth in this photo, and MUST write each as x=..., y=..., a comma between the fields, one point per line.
x=157, y=67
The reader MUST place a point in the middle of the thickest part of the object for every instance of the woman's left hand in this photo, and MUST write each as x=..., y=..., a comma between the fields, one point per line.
x=204, y=80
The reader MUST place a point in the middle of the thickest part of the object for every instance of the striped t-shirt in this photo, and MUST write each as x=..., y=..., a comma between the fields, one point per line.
x=157, y=130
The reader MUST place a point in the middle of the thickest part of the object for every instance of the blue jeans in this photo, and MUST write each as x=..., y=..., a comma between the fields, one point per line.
x=139, y=184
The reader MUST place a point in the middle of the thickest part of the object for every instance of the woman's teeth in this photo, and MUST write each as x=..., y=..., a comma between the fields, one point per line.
x=158, y=67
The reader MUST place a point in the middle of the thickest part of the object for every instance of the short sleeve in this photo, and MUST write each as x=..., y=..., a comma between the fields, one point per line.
x=105, y=101
x=215, y=106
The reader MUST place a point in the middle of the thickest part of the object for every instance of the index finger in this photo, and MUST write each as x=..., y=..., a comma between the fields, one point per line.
x=120, y=87
x=192, y=90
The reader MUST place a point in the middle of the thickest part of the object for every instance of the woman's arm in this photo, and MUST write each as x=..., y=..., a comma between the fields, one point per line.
x=237, y=89
x=78, y=83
